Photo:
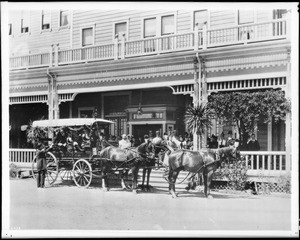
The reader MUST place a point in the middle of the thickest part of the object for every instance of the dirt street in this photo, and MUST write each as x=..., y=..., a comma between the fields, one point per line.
x=67, y=207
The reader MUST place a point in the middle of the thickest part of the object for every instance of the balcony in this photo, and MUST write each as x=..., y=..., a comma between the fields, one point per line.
x=184, y=42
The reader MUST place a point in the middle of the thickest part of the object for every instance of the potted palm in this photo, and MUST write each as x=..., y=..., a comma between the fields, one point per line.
x=197, y=119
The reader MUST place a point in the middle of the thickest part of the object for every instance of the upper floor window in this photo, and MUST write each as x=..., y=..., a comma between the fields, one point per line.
x=25, y=22
x=245, y=16
x=167, y=25
x=64, y=18
x=10, y=29
x=46, y=19
x=87, y=36
x=200, y=18
x=121, y=29
x=279, y=13
x=150, y=27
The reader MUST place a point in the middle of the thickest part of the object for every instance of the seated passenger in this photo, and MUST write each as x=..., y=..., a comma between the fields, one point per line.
x=124, y=143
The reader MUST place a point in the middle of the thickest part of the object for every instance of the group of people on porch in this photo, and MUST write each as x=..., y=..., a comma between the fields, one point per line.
x=172, y=139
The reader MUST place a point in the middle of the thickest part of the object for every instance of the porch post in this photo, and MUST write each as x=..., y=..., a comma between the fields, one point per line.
x=196, y=101
x=203, y=97
x=288, y=125
x=56, y=99
x=50, y=99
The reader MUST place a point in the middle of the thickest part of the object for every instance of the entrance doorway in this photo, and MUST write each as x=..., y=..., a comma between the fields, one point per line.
x=140, y=130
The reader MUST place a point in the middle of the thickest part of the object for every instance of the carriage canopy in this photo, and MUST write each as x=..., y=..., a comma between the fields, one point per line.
x=70, y=122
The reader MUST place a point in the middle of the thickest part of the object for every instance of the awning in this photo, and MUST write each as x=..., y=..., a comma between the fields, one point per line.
x=70, y=122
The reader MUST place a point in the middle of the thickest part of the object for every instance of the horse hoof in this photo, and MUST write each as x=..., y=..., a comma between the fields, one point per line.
x=210, y=197
x=174, y=195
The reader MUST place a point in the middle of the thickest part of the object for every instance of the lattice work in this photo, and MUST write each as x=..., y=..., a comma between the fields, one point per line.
x=273, y=187
x=183, y=89
x=28, y=99
x=262, y=187
x=247, y=84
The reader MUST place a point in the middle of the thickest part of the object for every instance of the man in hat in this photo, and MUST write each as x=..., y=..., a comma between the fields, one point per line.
x=157, y=140
x=124, y=142
x=146, y=138
x=41, y=165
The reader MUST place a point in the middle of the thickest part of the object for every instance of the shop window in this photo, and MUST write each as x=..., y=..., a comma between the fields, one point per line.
x=87, y=36
x=121, y=29
x=200, y=18
x=46, y=19
x=64, y=18
x=86, y=112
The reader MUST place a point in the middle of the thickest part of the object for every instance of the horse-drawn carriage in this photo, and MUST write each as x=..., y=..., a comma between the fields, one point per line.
x=66, y=149
x=96, y=157
x=73, y=147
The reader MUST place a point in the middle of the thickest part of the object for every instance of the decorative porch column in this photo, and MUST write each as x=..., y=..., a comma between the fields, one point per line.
x=203, y=96
x=196, y=100
x=53, y=101
x=288, y=125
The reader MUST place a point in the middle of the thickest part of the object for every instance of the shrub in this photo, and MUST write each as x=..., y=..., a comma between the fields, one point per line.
x=235, y=172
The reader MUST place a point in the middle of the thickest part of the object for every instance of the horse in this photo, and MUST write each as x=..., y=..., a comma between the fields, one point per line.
x=160, y=150
x=198, y=162
x=132, y=158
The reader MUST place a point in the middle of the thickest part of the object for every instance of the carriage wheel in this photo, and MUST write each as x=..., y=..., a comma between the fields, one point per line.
x=52, y=168
x=82, y=173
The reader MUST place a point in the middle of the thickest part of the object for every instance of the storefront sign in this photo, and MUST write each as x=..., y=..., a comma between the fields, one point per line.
x=148, y=116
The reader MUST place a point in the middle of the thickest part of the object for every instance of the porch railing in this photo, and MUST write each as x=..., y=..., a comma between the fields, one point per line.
x=260, y=163
x=21, y=157
x=265, y=164
x=188, y=41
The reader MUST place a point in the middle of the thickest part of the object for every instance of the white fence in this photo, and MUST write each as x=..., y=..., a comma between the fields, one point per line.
x=188, y=41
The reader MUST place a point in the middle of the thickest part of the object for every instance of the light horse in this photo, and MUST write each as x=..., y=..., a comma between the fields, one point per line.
x=130, y=158
x=198, y=162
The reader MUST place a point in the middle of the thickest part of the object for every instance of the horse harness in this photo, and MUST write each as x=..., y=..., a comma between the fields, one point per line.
x=205, y=165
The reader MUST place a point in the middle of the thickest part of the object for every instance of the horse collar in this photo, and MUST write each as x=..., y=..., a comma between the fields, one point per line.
x=218, y=157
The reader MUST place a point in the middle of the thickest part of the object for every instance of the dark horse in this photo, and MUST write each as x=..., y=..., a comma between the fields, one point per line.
x=198, y=162
x=159, y=151
x=115, y=158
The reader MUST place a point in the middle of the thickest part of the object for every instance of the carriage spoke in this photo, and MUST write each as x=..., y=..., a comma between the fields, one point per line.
x=50, y=176
x=85, y=178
